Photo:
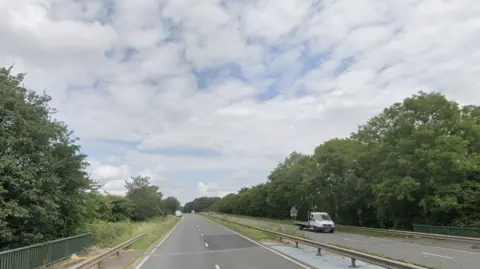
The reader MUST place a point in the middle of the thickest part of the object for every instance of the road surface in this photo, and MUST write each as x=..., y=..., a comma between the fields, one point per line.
x=434, y=256
x=198, y=243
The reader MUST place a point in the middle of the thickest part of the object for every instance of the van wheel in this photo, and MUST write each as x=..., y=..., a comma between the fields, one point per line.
x=315, y=229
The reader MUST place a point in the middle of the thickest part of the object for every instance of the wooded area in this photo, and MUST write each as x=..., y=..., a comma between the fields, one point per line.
x=45, y=192
x=416, y=162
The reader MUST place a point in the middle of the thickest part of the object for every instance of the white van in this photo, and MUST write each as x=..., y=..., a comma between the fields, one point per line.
x=318, y=221
x=178, y=213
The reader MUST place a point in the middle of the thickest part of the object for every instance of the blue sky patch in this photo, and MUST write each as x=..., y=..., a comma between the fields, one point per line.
x=206, y=76
x=128, y=54
x=344, y=65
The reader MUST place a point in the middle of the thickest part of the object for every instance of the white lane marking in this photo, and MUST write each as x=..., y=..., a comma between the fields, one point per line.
x=454, y=250
x=153, y=250
x=169, y=233
x=269, y=249
x=142, y=262
x=348, y=239
x=436, y=255
x=206, y=245
x=201, y=234
x=216, y=266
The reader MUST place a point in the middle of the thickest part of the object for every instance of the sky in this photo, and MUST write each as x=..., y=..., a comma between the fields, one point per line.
x=208, y=96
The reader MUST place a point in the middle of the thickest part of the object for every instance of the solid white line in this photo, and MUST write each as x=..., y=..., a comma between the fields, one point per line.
x=153, y=250
x=436, y=255
x=206, y=245
x=216, y=266
x=267, y=248
x=169, y=233
x=142, y=262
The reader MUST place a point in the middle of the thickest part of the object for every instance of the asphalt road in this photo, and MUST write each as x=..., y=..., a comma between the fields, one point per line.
x=435, y=256
x=198, y=243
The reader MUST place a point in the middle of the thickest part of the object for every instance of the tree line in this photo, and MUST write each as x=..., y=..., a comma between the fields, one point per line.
x=45, y=192
x=416, y=162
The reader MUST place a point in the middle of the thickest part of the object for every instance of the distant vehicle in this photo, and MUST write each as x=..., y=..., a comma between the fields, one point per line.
x=318, y=221
x=193, y=212
x=178, y=213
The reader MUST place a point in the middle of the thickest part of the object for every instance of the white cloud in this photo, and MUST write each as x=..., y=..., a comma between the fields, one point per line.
x=211, y=189
x=125, y=71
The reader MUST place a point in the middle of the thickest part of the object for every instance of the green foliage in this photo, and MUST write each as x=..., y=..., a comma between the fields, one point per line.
x=171, y=204
x=416, y=162
x=45, y=192
x=200, y=204
x=122, y=209
x=147, y=198
x=108, y=234
x=42, y=172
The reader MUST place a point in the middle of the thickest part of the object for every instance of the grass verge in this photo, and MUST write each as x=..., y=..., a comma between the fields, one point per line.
x=251, y=233
x=338, y=229
x=108, y=234
x=256, y=233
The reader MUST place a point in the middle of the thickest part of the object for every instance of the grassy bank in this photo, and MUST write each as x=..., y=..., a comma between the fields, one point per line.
x=109, y=234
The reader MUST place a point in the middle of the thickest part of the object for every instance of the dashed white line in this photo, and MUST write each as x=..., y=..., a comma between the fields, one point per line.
x=216, y=266
x=206, y=245
x=348, y=239
x=201, y=234
x=436, y=255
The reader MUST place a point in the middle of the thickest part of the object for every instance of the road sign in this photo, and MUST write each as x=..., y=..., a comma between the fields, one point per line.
x=293, y=212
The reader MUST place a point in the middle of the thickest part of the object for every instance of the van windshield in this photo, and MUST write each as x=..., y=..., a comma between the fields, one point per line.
x=325, y=217
x=321, y=216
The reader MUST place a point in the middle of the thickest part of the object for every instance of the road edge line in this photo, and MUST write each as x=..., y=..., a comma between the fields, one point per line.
x=138, y=263
x=297, y=262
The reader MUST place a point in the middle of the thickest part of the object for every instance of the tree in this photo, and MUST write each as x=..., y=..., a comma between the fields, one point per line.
x=147, y=198
x=416, y=162
x=172, y=204
x=122, y=209
x=200, y=204
x=42, y=171
x=423, y=155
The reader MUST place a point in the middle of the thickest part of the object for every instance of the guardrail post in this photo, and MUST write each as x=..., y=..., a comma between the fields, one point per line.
x=353, y=263
x=296, y=244
x=319, y=252
x=280, y=239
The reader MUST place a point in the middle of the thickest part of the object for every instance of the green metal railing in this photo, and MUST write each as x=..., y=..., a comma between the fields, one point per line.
x=445, y=230
x=36, y=256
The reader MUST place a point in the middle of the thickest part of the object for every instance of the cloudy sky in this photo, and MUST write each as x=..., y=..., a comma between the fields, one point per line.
x=207, y=96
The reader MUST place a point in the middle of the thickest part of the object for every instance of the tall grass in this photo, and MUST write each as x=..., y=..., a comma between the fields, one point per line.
x=109, y=234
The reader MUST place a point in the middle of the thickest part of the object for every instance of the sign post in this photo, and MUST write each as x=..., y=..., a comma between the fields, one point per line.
x=293, y=213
